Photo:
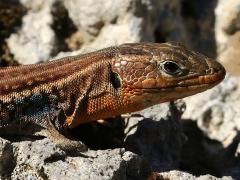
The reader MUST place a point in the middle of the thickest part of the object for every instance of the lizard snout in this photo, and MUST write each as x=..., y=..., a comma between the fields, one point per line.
x=216, y=71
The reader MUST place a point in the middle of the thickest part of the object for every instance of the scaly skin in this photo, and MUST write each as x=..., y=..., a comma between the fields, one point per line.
x=103, y=84
x=143, y=81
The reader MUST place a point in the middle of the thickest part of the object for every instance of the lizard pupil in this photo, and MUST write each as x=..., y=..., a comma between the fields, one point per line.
x=115, y=80
x=171, y=68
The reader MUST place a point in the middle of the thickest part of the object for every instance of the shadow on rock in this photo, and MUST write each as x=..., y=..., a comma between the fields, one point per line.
x=158, y=141
x=101, y=136
x=201, y=155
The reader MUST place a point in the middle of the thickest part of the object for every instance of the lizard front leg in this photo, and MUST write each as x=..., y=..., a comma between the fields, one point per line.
x=60, y=137
x=64, y=142
x=44, y=122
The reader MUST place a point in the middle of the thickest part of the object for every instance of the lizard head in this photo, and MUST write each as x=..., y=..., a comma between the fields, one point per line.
x=149, y=73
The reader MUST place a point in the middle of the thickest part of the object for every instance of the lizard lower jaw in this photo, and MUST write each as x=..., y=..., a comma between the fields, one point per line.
x=159, y=95
x=201, y=83
x=156, y=96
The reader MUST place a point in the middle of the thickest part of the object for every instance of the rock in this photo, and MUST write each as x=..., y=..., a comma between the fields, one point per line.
x=157, y=136
x=234, y=170
x=100, y=165
x=184, y=175
x=11, y=17
x=198, y=21
x=125, y=21
x=136, y=166
x=227, y=34
x=41, y=159
x=35, y=40
x=6, y=158
x=217, y=115
x=128, y=21
x=230, y=56
x=238, y=151
x=227, y=21
x=216, y=111
x=207, y=108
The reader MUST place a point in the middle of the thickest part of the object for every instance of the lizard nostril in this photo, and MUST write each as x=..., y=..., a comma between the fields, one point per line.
x=214, y=66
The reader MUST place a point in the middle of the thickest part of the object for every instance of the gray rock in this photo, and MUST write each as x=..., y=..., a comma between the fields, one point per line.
x=41, y=159
x=94, y=167
x=35, y=40
x=31, y=156
x=207, y=108
x=238, y=151
x=105, y=23
x=223, y=120
x=100, y=23
x=159, y=140
x=217, y=115
x=227, y=21
x=227, y=30
x=136, y=166
x=229, y=57
x=6, y=158
x=186, y=176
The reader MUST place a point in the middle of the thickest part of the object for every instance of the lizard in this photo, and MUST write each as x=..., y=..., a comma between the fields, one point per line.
x=57, y=96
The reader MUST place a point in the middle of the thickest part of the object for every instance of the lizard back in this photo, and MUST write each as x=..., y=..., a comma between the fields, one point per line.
x=31, y=93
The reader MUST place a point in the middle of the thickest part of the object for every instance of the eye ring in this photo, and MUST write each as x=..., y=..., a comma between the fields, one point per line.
x=171, y=68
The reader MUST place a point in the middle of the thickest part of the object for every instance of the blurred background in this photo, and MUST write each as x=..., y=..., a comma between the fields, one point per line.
x=36, y=31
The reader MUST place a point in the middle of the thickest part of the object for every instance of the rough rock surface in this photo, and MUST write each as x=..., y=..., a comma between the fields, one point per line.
x=6, y=157
x=41, y=159
x=216, y=112
x=35, y=40
x=105, y=23
x=185, y=176
x=227, y=31
x=205, y=141
x=11, y=17
x=158, y=136
x=215, y=122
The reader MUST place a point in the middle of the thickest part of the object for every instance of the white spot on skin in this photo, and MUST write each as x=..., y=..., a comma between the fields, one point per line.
x=117, y=64
x=123, y=63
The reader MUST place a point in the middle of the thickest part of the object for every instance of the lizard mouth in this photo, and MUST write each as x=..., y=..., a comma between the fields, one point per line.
x=206, y=80
x=197, y=84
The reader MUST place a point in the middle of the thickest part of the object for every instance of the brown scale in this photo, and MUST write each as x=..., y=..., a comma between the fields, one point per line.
x=37, y=77
x=4, y=116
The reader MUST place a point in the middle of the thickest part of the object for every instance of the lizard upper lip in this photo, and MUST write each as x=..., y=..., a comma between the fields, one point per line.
x=189, y=87
x=205, y=79
x=199, y=81
x=214, y=75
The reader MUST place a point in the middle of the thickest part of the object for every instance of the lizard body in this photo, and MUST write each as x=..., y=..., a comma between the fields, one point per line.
x=122, y=79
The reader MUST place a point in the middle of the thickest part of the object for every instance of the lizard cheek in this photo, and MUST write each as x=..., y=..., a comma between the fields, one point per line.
x=149, y=83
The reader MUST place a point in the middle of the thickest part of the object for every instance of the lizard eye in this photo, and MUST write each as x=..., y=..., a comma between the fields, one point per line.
x=170, y=68
x=115, y=79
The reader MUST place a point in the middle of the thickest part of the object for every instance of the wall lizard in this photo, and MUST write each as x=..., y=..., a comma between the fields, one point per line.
x=57, y=96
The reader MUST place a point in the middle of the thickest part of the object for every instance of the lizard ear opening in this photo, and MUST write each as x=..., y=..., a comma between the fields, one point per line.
x=115, y=80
